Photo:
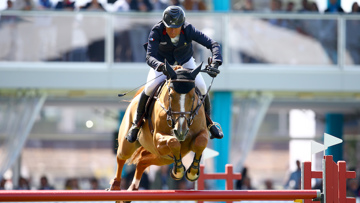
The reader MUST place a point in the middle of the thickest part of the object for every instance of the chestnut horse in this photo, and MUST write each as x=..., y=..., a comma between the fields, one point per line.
x=179, y=126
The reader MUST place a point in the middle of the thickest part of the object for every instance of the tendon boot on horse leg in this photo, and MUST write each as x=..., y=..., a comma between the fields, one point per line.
x=134, y=130
x=214, y=131
x=178, y=171
x=194, y=165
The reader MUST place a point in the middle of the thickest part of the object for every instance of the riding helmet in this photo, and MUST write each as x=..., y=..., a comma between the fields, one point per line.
x=173, y=17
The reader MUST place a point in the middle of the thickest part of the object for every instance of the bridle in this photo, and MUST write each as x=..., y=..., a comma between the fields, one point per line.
x=182, y=114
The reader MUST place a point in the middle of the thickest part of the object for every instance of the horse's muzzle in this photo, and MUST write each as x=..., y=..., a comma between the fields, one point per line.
x=180, y=134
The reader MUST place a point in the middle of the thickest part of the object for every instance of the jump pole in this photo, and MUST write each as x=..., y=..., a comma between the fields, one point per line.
x=155, y=195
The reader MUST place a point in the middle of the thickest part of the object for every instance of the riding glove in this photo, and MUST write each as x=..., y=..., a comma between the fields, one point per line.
x=213, y=70
x=162, y=68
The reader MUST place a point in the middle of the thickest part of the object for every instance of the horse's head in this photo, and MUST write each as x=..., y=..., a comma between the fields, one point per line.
x=182, y=99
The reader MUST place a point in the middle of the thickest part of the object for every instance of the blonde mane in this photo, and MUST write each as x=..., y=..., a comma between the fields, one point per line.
x=177, y=67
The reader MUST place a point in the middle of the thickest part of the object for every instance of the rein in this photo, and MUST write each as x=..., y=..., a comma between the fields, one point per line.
x=193, y=112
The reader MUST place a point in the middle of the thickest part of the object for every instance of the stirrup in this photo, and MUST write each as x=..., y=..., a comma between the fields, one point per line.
x=219, y=133
x=133, y=133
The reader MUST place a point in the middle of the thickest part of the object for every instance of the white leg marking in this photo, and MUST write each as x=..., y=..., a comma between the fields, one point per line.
x=182, y=108
x=136, y=182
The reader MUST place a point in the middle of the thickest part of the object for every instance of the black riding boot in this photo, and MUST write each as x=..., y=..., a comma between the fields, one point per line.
x=214, y=131
x=134, y=130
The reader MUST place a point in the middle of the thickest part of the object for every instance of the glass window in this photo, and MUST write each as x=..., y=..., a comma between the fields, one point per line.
x=352, y=42
x=69, y=38
x=131, y=33
x=282, y=41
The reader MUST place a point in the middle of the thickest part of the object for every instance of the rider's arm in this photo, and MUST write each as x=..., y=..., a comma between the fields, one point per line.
x=152, y=50
x=207, y=42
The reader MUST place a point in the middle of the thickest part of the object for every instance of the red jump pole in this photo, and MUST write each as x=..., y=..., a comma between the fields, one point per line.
x=154, y=195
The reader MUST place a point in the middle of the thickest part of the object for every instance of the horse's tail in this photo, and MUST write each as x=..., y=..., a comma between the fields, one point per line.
x=136, y=156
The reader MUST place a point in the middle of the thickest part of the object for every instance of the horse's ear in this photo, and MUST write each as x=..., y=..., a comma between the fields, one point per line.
x=196, y=71
x=170, y=70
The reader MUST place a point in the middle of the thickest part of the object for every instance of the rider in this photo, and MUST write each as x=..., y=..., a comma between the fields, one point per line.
x=171, y=40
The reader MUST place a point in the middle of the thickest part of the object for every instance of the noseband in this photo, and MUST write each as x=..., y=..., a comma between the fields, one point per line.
x=182, y=114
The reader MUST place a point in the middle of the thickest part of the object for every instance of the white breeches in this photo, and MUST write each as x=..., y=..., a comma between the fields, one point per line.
x=151, y=85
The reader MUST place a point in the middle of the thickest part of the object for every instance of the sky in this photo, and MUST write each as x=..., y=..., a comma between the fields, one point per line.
x=346, y=4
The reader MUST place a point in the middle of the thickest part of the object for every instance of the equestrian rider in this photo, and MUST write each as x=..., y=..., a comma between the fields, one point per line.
x=171, y=40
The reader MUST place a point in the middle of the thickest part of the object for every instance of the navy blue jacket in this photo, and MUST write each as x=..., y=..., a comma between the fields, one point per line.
x=160, y=46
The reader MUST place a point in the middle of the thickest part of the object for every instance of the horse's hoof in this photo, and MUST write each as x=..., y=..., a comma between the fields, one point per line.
x=115, y=184
x=192, y=179
x=172, y=175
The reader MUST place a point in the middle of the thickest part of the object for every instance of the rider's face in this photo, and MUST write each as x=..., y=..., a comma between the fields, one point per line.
x=173, y=32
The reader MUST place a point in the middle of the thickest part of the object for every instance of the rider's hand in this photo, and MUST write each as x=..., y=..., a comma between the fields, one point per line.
x=213, y=69
x=162, y=68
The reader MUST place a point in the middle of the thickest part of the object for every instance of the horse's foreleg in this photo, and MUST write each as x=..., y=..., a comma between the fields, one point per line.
x=178, y=170
x=170, y=145
x=197, y=146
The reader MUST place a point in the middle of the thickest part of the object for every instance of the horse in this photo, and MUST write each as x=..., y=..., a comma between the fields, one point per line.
x=176, y=126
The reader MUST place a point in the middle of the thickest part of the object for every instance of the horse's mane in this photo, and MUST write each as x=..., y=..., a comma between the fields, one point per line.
x=177, y=67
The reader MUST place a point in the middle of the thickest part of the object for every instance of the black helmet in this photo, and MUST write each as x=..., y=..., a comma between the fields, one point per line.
x=173, y=17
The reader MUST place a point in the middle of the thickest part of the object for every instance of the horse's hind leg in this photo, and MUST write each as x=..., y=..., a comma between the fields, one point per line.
x=198, y=146
x=124, y=152
x=147, y=159
x=116, y=182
